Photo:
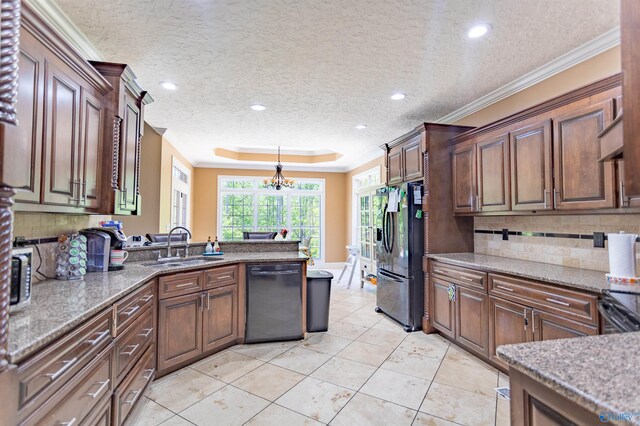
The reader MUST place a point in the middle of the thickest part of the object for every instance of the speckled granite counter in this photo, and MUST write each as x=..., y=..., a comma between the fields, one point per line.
x=582, y=279
x=57, y=306
x=599, y=373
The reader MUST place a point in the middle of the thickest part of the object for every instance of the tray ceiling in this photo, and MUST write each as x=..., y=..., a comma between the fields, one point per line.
x=323, y=67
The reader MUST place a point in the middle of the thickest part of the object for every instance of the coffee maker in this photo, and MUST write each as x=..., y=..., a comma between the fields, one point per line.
x=100, y=242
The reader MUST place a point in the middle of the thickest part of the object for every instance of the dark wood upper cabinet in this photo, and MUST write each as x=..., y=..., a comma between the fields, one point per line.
x=412, y=159
x=26, y=138
x=630, y=56
x=91, y=144
x=493, y=173
x=129, y=149
x=394, y=166
x=464, y=179
x=179, y=329
x=531, y=170
x=61, y=184
x=581, y=180
x=220, y=322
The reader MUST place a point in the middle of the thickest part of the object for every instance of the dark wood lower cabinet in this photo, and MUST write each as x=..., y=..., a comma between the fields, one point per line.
x=508, y=324
x=179, y=330
x=220, y=322
x=443, y=309
x=472, y=311
x=534, y=404
x=549, y=327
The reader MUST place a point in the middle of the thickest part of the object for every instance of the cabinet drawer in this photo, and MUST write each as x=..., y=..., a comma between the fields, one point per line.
x=133, y=343
x=568, y=303
x=133, y=386
x=220, y=277
x=42, y=375
x=178, y=284
x=462, y=276
x=129, y=308
x=88, y=389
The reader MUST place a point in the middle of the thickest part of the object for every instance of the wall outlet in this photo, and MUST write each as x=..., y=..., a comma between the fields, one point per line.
x=598, y=239
x=505, y=235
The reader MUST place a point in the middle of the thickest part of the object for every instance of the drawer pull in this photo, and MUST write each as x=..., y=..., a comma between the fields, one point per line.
x=467, y=278
x=149, y=374
x=67, y=365
x=557, y=302
x=98, y=339
x=134, y=348
x=134, y=398
x=146, y=298
x=147, y=332
x=69, y=423
x=504, y=288
x=224, y=276
x=103, y=385
x=439, y=271
x=130, y=311
x=184, y=285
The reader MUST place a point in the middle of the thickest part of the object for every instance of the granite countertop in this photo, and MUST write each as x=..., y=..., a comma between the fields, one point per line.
x=58, y=306
x=599, y=373
x=582, y=279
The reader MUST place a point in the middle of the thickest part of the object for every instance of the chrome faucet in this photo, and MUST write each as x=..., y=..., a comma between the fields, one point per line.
x=169, y=240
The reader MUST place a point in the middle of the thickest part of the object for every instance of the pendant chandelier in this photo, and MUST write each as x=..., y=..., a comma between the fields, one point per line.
x=278, y=181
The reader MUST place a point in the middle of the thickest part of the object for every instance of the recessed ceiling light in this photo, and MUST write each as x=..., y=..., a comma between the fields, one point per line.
x=478, y=30
x=168, y=85
x=258, y=107
x=398, y=96
x=361, y=126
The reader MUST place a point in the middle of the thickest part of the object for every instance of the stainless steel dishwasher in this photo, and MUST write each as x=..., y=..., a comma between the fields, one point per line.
x=274, y=302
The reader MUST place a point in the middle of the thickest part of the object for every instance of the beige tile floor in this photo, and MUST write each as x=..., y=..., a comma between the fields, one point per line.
x=364, y=371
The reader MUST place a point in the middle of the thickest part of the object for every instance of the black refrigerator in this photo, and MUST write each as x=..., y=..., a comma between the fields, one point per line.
x=399, y=251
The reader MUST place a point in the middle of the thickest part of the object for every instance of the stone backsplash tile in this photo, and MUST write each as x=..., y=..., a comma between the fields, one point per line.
x=559, y=251
x=42, y=225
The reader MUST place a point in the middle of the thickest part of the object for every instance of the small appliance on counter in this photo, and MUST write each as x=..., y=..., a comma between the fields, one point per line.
x=100, y=243
x=622, y=263
x=71, y=263
x=21, y=278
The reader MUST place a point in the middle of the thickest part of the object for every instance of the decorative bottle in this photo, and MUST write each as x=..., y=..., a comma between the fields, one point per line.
x=209, y=248
x=216, y=246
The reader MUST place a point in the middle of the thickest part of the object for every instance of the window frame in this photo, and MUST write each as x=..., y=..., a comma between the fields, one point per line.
x=221, y=191
x=181, y=186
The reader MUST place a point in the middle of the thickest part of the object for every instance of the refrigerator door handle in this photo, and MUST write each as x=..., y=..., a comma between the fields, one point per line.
x=389, y=276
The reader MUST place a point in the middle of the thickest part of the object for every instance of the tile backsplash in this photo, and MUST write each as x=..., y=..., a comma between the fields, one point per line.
x=575, y=252
x=42, y=225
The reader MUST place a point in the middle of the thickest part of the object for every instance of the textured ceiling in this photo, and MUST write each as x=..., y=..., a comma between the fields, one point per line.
x=321, y=67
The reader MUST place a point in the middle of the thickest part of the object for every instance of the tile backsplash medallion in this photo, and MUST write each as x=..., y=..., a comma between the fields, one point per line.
x=44, y=225
x=575, y=252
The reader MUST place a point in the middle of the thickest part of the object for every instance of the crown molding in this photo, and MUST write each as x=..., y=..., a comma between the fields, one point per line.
x=580, y=54
x=51, y=13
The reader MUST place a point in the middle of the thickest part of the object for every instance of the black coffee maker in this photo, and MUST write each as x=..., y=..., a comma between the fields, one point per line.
x=100, y=242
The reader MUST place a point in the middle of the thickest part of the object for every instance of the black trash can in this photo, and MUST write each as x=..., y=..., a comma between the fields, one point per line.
x=318, y=295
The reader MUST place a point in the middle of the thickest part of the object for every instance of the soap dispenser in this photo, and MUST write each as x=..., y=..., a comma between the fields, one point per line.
x=216, y=246
x=209, y=248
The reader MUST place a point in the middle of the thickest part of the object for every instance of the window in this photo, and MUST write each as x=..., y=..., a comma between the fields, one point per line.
x=247, y=205
x=180, y=194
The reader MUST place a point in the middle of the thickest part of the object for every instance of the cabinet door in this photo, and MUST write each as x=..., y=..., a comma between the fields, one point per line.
x=179, y=329
x=61, y=138
x=531, y=172
x=129, y=151
x=91, y=131
x=493, y=174
x=443, y=315
x=508, y=323
x=23, y=143
x=624, y=200
x=548, y=327
x=220, y=325
x=464, y=179
x=581, y=180
x=412, y=159
x=472, y=312
x=394, y=166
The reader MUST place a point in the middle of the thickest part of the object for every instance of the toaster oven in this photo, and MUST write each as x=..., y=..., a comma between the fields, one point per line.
x=21, y=277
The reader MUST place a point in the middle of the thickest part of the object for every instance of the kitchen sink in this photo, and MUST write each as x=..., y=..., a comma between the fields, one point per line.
x=180, y=262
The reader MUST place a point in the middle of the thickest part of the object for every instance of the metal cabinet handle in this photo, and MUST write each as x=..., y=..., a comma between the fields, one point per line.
x=147, y=332
x=504, y=288
x=557, y=302
x=533, y=323
x=183, y=285
x=146, y=298
x=98, y=339
x=224, y=276
x=123, y=202
x=208, y=301
x=67, y=365
x=526, y=320
x=546, y=193
x=130, y=311
x=83, y=191
x=103, y=385
x=466, y=278
x=439, y=271
x=478, y=203
x=472, y=201
x=149, y=374
x=69, y=423
x=132, y=351
x=75, y=191
x=135, y=397
x=624, y=201
x=556, y=193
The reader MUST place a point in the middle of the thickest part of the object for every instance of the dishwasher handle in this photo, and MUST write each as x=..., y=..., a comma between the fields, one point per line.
x=258, y=271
